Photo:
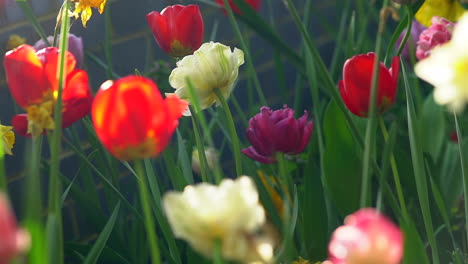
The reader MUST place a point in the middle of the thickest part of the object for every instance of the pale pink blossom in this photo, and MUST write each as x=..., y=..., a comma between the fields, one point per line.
x=438, y=33
x=366, y=237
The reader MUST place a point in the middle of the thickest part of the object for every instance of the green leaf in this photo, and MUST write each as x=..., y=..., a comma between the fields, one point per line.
x=433, y=124
x=101, y=241
x=342, y=164
x=414, y=251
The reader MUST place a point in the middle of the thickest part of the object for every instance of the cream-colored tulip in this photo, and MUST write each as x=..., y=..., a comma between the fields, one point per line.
x=212, y=66
x=204, y=213
x=447, y=68
x=212, y=157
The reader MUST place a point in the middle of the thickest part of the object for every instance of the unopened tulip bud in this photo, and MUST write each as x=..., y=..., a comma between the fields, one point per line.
x=212, y=157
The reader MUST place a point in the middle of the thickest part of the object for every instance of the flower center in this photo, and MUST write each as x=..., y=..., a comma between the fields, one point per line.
x=40, y=117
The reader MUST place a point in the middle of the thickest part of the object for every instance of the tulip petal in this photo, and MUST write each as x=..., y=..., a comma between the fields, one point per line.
x=253, y=154
x=25, y=76
x=20, y=124
x=77, y=98
x=50, y=58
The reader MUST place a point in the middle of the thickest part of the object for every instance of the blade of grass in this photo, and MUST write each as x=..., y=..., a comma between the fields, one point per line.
x=101, y=241
x=418, y=167
x=54, y=219
x=250, y=66
x=464, y=169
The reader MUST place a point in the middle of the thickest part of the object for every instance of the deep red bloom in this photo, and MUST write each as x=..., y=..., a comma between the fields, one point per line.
x=33, y=81
x=131, y=118
x=255, y=4
x=178, y=29
x=366, y=237
x=277, y=131
x=356, y=84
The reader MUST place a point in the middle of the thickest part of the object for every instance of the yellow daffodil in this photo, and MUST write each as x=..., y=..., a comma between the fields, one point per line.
x=449, y=9
x=83, y=8
x=447, y=68
x=212, y=66
x=15, y=41
x=8, y=139
x=204, y=213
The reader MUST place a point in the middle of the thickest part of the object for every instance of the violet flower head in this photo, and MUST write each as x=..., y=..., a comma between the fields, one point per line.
x=437, y=34
x=366, y=237
x=271, y=131
x=416, y=29
x=75, y=46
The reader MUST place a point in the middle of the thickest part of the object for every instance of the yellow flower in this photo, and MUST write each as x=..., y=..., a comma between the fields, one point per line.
x=84, y=7
x=15, y=41
x=212, y=66
x=204, y=213
x=8, y=139
x=447, y=68
x=449, y=9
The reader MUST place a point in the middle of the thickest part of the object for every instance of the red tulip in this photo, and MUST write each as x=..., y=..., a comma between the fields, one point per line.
x=131, y=118
x=255, y=4
x=33, y=81
x=366, y=237
x=13, y=239
x=277, y=131
x=178, y=29
x=356, y=84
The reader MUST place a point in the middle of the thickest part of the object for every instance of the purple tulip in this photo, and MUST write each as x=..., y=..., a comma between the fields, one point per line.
x=277, y=131
x=75, y=46
x=416, y=29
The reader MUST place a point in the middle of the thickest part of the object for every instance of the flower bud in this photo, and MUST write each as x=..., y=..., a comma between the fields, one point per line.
x=212, y=157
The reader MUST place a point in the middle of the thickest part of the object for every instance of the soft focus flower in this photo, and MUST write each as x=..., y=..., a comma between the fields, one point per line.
x=83, y=8
x=204, y=213
x=410, y=45
x=33, y=81
x=8, y=138
x=178, y=29
x=271, y=131
x=255, y=4
x=301, y=261
x=448, y=9
x=447, y=68
x=131, y=118
x=13, y=239
x=75, y=46
x=355, y=87
x=366, y=237
x=212, y=157
x=437, y=34
x=15, y=41
x=212, y=66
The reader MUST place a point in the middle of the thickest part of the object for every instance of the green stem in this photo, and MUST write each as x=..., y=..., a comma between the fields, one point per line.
x=396, y=175
x=371, y=124
x=217, y=252
x=32, y=18
x=463, y=168
x=232, y=131
x=55, y=229
x=251, y=69
x=200, y=145
x=148, y=217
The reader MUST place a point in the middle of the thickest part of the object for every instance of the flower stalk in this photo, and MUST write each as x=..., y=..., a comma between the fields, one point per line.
x=232, y=131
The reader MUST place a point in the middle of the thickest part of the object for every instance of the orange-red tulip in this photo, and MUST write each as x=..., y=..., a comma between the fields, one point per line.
x=33, y=81
x=131, y=118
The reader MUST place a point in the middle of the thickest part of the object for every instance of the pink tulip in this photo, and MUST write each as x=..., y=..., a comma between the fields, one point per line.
x=437, y=34
x=12, y=239
x=367, y=237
